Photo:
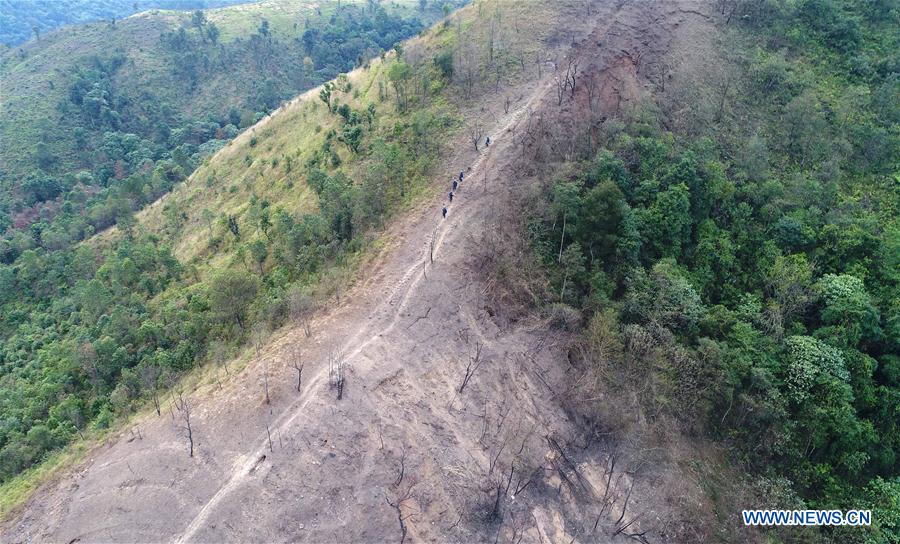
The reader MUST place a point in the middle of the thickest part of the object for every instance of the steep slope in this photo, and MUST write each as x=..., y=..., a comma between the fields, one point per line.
x=427, y=410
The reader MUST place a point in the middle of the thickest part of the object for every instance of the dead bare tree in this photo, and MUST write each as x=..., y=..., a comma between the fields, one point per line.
x=495, y=458
x=561, y=85
x=402, y=468
x=397, y=505
x=474, y=362
x=571, y=73
x=297, y=363
x=476, y=132
x=184, y=408
x=624, y=510
x=522, y=482
x=336, y=373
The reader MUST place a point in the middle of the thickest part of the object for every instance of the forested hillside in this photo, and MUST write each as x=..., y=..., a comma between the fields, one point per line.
x=107, y=116
x=738, y=265
x=89, y=138
x=21, y=20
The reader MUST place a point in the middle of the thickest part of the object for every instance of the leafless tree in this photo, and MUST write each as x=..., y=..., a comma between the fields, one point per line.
x=297, y=363
x=522, y=482
x=336, y=373
x=624, y=509
x=495, y=458
x=397, y=505
x=474, y=362
x=566, y=81
x=571, y=73
x=402, y=468
x=184, y=409
x=476, y=132
x=561, y=85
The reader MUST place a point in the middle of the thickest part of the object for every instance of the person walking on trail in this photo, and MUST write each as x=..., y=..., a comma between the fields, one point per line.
x=487, y=142
x=444, y=211
x=455, y=184
x=450, y=194
x=460, y=176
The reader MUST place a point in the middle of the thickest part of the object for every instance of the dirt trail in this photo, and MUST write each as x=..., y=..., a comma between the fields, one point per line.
x=404, y=451
x=393, y=308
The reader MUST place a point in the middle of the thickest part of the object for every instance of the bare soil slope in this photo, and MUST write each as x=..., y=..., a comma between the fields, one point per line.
x=407, y=452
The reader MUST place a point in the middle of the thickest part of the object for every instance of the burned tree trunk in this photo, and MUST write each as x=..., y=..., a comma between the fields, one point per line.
x=475, y=361
x=297, y=363
x=184, y=408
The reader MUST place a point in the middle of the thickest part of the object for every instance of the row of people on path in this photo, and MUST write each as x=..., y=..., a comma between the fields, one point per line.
x=455, y=185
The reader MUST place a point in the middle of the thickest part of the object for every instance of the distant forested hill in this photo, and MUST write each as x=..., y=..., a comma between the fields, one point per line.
x=21, y=20
x=99, y=119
